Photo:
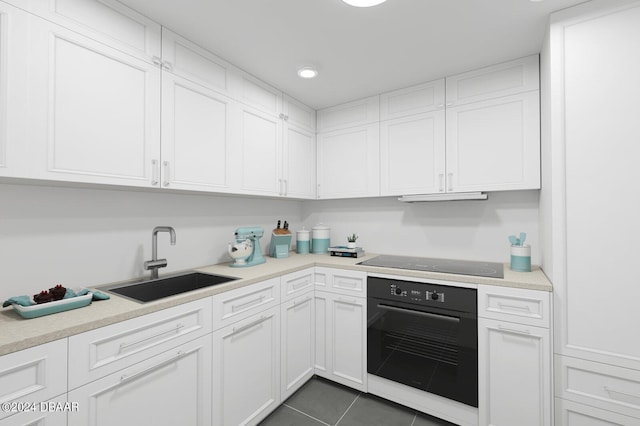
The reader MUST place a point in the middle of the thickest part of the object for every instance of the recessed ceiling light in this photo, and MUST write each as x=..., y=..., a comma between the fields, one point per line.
x=307, y=72
x=363, y=3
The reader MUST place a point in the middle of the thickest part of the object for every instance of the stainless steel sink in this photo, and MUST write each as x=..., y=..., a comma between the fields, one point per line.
x=149, y=290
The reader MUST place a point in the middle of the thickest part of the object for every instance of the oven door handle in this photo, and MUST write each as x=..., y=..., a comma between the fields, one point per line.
x=412, y=312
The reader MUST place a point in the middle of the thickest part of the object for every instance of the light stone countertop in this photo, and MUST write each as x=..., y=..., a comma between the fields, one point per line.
x=17, y=333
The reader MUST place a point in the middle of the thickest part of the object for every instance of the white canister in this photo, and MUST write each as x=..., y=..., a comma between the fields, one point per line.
x=320, y=239
x=303, y=241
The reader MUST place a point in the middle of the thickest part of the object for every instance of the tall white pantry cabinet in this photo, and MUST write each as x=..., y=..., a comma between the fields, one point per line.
x=590, y=206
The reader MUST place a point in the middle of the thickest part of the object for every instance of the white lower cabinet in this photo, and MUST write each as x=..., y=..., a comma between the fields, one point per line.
x=46, y=413
x=297, y=343
x=513, y=374
x=341, y=338
x=168, y=389
x=246, y=369
x=32, y=375
x=514, y=357
x=569, y=413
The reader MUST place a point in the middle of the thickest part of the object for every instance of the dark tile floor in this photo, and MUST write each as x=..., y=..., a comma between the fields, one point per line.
x=322, y=402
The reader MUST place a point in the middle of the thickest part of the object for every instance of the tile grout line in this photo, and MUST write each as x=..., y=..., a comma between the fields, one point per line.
x=347, y=410
x=308, y=415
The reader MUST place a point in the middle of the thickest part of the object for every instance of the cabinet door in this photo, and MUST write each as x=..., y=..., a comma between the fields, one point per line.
x=341, y=349
x=349, y=162
x=246, y=369
x=261, y=145
x=107, y=21
x=44, y=413
x=514, y=379
x=412, y=154
x=299, y=174
x=15, y=156
x=196, y=136
x=351, y=114
x=495, y=81
x=412, y=100
x=494, y=145
x=95, y=110
x=188, y=60
x=173, y=388
x=298, y=343
x=297, y=114
x=33, y=375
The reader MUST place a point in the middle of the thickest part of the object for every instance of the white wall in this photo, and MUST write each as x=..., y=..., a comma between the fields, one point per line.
x=472, y=230
x=87, y=237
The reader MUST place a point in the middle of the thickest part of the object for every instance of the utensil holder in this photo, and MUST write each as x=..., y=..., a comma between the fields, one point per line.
x=521, y=258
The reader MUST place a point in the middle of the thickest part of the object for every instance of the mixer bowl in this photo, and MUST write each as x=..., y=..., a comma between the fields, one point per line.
x=240, y=251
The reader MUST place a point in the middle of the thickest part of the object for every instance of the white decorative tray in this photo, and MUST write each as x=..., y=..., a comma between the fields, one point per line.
x=48, y=308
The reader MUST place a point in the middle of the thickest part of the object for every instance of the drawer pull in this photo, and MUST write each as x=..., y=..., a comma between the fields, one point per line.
x=612, y=393
x=524, y=308
x=300, y=302
x=126, y=378
x=249, y=303
x=251, y=324
x=350, y=301
x=513, y=330
x=178, y=327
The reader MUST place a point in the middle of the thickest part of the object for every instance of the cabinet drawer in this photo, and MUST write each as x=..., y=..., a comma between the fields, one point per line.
x=514, y=304
x=600, y=385
x=569, y=413
x=341, y=281
x=99, y=352
x=45, y=413
x=241, y=303
x=296, y=283
x=33, y=375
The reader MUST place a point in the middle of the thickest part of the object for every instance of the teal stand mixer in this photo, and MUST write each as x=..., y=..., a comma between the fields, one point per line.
x=246, y=250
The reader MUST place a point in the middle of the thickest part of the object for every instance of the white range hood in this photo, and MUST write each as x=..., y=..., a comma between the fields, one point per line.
x=454, y=196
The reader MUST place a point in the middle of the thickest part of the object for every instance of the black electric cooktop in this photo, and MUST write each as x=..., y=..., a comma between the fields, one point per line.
x=447, y=266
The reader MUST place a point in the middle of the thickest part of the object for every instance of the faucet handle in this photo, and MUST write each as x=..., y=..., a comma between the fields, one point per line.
x=155, y=264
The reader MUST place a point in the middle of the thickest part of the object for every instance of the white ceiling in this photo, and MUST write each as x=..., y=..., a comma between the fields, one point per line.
x=358, y=51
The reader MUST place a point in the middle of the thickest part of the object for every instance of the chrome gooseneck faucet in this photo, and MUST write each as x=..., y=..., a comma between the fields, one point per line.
x=154, y=264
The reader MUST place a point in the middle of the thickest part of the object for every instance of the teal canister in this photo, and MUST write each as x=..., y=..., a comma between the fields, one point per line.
x=521, y=258
x=303, y=241
x=320, y=239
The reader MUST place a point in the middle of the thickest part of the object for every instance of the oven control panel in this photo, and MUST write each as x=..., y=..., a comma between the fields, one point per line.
x=417, y=295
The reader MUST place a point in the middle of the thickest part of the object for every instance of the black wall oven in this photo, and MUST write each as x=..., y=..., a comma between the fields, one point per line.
x=425, y=336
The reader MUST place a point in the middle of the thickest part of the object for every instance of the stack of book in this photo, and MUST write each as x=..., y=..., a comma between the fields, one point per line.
x=344, y=251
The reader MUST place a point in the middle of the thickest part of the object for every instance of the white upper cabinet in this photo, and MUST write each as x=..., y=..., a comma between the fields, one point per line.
x=197, y=136
x=412, y=100
x=349, y=162
x=494, y=145
x=251, y=91
x=107, y=21
x=412, y=154
x=493, y=128
x=299, y=162
x=261, y=147
x=14, y=150
x=94, y=110
x=349, y=150
x=356, y=113
x=187, y=60
x=297, y=114
x=508, y=78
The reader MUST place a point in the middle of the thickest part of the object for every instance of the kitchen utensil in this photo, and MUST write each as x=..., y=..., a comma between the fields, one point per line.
x=523, y=236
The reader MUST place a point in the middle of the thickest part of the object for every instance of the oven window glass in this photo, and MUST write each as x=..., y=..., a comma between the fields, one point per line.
x=424, y=348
